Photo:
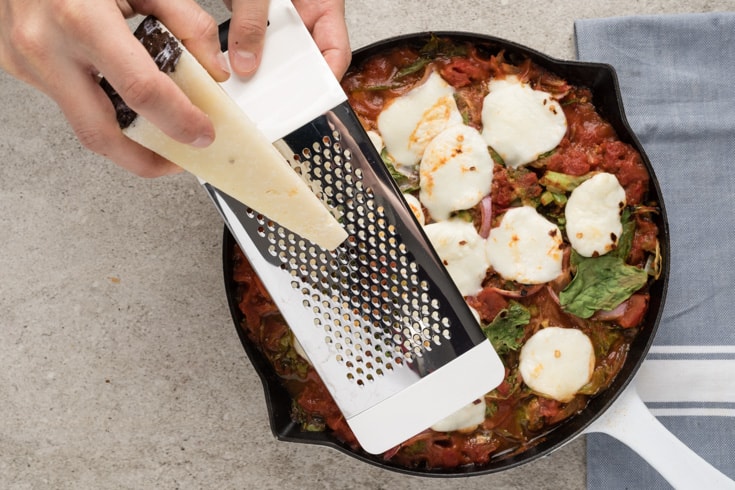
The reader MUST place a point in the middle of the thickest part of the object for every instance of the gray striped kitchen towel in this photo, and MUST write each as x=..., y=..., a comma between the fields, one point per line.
x=677, y=77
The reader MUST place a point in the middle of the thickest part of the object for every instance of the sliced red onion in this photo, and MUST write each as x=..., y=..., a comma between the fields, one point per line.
x=521, y=293
x=552, y=294
x=486, y=215
x=613, y=314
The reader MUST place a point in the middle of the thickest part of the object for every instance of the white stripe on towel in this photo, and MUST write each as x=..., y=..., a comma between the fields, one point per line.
x=707, y=381
x=693, y=412
x=692, y=349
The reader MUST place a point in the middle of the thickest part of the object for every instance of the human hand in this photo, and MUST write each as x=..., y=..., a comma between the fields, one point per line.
x=325, y=20
x=62, y=47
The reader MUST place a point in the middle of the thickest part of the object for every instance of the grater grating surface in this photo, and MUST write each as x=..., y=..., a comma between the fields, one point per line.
x=379, y=318
x=371, y=298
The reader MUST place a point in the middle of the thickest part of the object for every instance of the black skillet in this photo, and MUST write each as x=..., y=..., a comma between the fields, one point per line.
x=602, y=81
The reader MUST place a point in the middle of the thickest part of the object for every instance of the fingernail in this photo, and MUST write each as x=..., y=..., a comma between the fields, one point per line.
x=203, y=141
x=243, y=61
x=222, y=62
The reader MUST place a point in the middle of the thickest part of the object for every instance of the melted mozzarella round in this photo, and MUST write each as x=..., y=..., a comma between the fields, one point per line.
x=376, y=140
x=593, y=215
x=412, y=120
x=299, y=348
x=525, y=247
x=463, y=252
x=456, y=171
x=464, y=420
x=557, y=362
x=521, y=123
x=415, y=206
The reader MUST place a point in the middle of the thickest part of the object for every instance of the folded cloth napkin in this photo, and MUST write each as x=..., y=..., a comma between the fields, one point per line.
x=676, y=74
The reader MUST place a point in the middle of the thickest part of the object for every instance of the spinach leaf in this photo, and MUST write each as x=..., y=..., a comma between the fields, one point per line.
x=625, y=242
x=495, y=156
x=601, y=283
x=434, y=48
x=412, y=68
x=405, y=182
x=505, y=332
x=558, y=182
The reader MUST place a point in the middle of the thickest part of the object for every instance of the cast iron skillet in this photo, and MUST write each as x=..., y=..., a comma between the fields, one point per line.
x=601, y=79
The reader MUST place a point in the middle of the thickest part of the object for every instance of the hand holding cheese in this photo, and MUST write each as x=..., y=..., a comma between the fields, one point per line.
x=241, y=162
x=60, y=48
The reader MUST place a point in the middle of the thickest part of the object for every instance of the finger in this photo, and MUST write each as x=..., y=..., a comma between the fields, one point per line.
x=247, y=34
x=92, y=118
x=128, y=67
x=335, y=47
x=326, y=23
x=194, y=27
x=127, y=10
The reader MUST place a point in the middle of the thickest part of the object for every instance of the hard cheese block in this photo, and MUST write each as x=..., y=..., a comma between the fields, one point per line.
x=241, y=162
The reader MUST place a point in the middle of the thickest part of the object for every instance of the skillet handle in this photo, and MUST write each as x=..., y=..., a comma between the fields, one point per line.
x=629, y=421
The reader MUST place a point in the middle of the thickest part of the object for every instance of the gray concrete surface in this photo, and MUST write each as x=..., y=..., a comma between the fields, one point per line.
x=119, y=363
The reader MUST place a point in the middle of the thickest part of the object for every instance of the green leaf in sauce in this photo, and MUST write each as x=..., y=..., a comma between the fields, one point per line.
x=495, y=156
x=505, y=332
x=406, y=183
x=417, y=65
x=561, y=183
x=625, y=242
x=549, y=198
x=435, y=48
x=600, y=283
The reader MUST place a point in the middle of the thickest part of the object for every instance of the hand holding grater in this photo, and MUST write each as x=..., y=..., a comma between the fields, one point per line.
x=379, y=317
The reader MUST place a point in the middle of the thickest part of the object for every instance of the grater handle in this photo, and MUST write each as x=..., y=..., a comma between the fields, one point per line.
x=293, y=84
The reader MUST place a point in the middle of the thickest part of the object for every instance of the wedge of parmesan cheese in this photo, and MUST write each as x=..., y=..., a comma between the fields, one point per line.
x=241, y=162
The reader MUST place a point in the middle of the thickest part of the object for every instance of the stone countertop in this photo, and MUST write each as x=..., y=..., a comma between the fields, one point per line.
x=119, y=363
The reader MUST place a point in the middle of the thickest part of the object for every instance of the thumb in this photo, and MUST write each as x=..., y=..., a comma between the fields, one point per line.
x=247, y=34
